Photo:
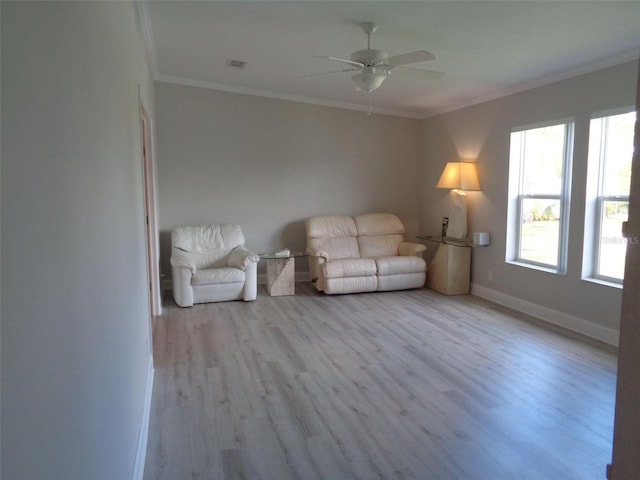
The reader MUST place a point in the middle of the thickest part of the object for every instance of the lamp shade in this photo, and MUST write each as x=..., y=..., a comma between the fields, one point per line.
x=459, y=175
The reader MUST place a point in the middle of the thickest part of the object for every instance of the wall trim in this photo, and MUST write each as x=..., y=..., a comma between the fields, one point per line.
x=570, y=322
x=143, y=436
x=188, y=82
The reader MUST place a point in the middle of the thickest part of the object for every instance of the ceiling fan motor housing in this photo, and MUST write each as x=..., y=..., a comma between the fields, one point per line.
x=369, y=57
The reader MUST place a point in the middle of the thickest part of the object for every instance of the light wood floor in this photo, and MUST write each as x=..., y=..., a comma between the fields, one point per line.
x=391, y=385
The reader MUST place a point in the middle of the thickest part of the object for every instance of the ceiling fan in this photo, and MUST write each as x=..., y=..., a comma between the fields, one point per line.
x=376, y=65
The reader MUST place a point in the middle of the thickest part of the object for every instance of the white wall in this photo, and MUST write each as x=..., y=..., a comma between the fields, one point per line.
x=483, y=132
x=75, y=336
x=270, y=164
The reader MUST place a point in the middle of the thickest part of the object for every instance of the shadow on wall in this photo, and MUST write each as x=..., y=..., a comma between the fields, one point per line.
x=165, y=253
x=294, y=237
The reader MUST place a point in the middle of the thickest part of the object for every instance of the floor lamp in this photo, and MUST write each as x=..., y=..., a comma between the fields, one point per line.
x=458, y=176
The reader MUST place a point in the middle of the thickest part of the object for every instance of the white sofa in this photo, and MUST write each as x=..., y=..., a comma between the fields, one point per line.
x=210, y=263
x=364, y=253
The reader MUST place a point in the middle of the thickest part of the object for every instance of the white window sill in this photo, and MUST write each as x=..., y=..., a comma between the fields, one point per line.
x=606, y=283
x=533, y=266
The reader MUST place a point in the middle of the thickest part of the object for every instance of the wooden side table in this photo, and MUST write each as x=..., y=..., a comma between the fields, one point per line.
x=449, y=271
x=281, y=274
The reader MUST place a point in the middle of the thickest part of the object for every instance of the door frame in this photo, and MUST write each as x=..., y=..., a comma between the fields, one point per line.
x=151, y=229
x=626, y=434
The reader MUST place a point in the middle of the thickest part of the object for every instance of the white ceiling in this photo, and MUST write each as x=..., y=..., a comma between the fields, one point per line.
x=486, y=48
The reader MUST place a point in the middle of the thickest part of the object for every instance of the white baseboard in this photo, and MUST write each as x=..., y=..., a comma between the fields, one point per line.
x=143, y=436
x=570, y=322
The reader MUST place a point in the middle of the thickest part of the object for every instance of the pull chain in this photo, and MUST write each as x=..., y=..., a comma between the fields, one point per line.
x=369, y=99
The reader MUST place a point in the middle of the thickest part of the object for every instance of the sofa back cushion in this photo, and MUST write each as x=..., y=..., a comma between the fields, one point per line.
x=379, y=234
x=334, y=235
x=209, y=245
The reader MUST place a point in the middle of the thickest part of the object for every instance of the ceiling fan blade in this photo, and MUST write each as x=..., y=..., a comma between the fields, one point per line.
x=416, y=72
x=413, y=57
x=344, y=60
x=353, y=69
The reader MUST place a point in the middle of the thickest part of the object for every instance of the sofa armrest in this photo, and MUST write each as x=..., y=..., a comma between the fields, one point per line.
x=241, y=257
x=406, y=249
x=182, y=259
x=314, y=252
x=317, y=258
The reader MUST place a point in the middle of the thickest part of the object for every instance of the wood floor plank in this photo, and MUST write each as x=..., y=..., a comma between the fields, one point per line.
x=387, y=385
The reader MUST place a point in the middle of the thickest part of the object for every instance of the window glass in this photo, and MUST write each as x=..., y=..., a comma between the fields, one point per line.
x=540, y=230
x=608, y=182
x=543, y=160
x=618, y=153
x=538, y=190
x=611, y=246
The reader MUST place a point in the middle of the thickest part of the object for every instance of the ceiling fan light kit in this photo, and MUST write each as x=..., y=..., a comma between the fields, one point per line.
x=369, y=79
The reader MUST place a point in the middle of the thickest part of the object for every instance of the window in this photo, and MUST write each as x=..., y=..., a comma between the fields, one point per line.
x=539, y=173
x=607, y=203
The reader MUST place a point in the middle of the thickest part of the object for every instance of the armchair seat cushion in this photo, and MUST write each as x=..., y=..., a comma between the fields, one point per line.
x=349, y=267
x=218, y=275
x=398, y=265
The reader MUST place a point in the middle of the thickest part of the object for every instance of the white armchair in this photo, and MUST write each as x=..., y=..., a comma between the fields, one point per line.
x=210, y=263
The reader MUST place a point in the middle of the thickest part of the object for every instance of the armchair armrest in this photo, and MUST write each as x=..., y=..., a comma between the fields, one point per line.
x=241, y=257
x=182, y=259
x=406, y=249
x=183, y=266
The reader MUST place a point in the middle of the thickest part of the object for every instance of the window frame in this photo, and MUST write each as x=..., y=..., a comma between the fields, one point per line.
x=515, y=217
x=596, y=200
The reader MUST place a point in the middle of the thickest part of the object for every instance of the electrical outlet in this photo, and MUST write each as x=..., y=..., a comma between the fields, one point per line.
x=490, y=275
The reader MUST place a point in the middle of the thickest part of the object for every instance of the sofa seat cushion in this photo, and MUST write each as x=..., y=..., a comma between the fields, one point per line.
x=217, y=275
x=351, y=285
x=398, y=265
x=349, y=267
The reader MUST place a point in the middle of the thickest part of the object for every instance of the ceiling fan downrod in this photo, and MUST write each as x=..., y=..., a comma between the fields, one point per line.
x=369, y=28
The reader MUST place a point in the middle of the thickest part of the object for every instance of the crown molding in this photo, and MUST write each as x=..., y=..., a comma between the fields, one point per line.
x=281, y=96
x=608, y=62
